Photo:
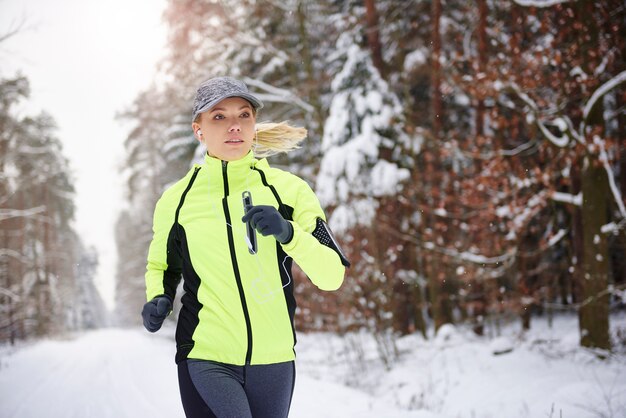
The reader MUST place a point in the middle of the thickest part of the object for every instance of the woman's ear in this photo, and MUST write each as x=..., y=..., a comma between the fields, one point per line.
x=197, y=131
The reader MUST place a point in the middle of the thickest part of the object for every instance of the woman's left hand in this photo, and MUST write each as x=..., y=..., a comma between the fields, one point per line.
x=268, y=221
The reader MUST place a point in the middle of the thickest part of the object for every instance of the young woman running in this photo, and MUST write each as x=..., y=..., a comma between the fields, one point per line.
x=231, y=227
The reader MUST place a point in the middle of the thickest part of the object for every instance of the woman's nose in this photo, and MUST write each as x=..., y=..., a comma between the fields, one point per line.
x=235, y=127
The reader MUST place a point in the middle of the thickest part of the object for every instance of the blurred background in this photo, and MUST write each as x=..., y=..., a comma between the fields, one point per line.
x=470, y=156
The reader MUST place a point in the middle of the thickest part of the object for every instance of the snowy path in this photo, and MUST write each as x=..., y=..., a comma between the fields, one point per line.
x=117, y=373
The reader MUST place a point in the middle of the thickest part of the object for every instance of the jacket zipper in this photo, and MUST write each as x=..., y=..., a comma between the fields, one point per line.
x=233, y=257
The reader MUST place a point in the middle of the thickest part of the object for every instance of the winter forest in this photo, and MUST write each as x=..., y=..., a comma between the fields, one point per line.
x=470, y=157
x=46, y=272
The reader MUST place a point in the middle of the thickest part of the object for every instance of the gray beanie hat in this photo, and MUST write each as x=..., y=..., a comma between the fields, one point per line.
x=214, y=90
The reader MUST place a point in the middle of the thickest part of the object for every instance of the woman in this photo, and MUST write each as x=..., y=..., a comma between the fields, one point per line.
x=231, y=227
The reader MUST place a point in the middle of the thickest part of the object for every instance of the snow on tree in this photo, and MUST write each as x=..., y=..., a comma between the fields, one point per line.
x=365, y=121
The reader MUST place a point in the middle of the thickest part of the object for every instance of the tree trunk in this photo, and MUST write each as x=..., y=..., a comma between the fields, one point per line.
x=418, y=309
x=434, y=291
x=482, y=63
x=524, y=292
x=437, y=103
x=619, y=258
x=577, y=238
x=407, y=295
x=311, y=87
x=373, y=37
x=594, y=312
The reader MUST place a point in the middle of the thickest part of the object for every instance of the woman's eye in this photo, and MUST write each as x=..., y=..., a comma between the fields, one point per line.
x=218, y=117
x=245, y=115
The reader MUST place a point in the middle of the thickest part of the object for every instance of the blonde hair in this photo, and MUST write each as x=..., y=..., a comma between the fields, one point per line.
x=273, y=138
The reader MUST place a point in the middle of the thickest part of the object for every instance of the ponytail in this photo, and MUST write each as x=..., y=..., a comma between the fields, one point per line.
x=274, y=138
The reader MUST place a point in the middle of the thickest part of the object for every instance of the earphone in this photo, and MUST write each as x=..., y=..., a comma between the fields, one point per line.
x=199, y=132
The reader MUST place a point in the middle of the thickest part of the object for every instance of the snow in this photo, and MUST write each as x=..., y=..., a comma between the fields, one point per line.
x=386, y=176
x=559, y=141
x=577, y=71
x=482, y=259
x=557, y=237
x=415, y=59
x=440, y=212
x=501, y=345
x=130, y=373
x=541, y=3
x=610, y=227
x=362, y=110
x=568, y=198
x=462, y=100
x=503, y=211
x=344, y=216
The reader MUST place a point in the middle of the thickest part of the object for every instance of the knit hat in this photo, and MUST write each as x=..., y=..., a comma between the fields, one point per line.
x=214, y=90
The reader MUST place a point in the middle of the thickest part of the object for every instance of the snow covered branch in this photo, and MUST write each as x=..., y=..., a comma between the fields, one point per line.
x=277, y=95
x=540, y=3
x=12, y=253
x=557, y=237
x=285, y=5
x=521, y=219
x=7, y=292
x=559, y=141
x=14, y=213
x=612, y=227
x=27, y=149
x=472, y=257
x=601, y=91
x=576, y=200
x=525, y=98
x=563, y=124
x=619, y=291
x=604, y=159
x=520, y=148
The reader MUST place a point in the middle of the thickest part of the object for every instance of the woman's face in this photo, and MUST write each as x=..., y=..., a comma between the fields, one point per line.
x=227, y=129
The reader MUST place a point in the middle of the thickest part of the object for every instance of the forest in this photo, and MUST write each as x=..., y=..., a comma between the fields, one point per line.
x=46, y=271
x=470, y=156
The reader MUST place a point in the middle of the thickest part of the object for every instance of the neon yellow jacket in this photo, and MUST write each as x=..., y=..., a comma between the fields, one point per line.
x=238, y=307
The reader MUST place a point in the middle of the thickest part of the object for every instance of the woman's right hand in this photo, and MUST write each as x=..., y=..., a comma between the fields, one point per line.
x=268, y=221
x=155, y=311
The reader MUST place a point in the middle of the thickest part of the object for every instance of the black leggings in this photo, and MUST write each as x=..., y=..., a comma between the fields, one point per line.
x=211, y=389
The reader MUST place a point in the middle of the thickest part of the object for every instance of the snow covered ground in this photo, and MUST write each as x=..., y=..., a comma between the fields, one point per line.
x=130, y=373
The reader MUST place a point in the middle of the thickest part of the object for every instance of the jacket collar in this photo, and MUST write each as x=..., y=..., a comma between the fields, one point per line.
x=237, y=170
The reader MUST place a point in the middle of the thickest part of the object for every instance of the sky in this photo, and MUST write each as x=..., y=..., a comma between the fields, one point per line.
x=86, y=60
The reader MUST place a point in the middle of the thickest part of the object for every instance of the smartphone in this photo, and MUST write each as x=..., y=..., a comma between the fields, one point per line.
x=251, y=233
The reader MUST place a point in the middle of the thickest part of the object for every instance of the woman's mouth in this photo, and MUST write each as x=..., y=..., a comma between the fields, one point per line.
x=234, y=141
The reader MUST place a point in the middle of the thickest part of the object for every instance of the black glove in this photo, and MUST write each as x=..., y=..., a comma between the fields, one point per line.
x=268, y=221
x=155, y=312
